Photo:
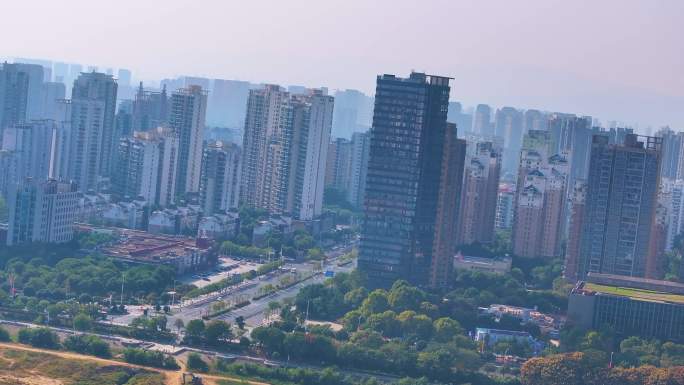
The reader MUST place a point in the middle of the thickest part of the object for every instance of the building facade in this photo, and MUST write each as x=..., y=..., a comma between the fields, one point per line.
x=415, y=172
x=571, y=135
x=645, y=308
x=265, y=158
x=477, y=214
x=285, y=147
x=482, y=124
x=41, y=211
x=13, y=94
x=337, y=166
x=150, y=109
x=538, y=224
x=360, y=151
x=188, y=111
x=93, y=99
x=147, y=165
x=32, y=146
x=505, y=206
x=672, y=164
x=620, y=207
x=220, y=181
x=508, y=123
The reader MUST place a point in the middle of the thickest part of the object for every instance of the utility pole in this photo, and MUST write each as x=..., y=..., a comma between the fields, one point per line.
x=306, y=319
x=123, y=280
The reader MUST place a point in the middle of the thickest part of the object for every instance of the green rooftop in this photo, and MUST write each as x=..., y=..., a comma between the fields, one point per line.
x=640, y=294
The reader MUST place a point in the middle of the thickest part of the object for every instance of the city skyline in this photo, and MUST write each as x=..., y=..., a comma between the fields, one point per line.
x=496, y=55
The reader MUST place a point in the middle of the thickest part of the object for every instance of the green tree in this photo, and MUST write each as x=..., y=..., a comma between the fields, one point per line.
x=355, y=297
x=672, y=354
x=376, y=302
x=194, y=330
x=303, y=241
x=446, y=329
x=404, y=297
x=217, y=331
x=635, y=351
x=240, y=321
x=419, y=325
x=438, y=363
x=179, y=324
x=196, y=363
x=385, y=323
x=83, y=322
x=315, y=254
x=270, y=338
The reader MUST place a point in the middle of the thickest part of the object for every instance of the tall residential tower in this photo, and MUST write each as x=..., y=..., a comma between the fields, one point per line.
x=413, y=183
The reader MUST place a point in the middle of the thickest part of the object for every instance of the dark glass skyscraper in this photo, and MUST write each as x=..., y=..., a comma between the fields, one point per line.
x=620, y=206
x=413, y=183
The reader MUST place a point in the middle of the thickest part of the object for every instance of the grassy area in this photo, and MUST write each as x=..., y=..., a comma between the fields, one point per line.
x=18, y=367
x=645, y=295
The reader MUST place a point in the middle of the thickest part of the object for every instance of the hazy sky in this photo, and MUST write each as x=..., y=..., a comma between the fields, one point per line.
x=612, y=59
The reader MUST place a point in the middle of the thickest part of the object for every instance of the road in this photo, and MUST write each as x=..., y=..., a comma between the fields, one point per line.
x=254, y=312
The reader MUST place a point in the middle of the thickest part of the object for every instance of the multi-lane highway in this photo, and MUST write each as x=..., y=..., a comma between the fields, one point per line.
x=247, y=290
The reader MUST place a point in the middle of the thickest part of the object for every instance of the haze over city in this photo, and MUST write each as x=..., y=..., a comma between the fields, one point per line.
x=335, y=192
x=613, y=60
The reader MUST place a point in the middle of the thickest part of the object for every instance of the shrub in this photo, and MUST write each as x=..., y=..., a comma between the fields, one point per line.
x=4, y=335
x=87, y=344
x=40, y=338
x=149, y=358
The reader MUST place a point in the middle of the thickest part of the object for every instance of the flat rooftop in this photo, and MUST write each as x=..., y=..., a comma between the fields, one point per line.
x=638, y=294
x=143, y=246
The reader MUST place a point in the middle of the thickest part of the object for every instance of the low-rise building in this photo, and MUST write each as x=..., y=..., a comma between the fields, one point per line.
x=525, y=315
x=91, y=207
x=181, y=220
x=279, y=224
x=130, y=215
x=219, y=226
x=491, y=336
x=487, y=265
x=631, y=306
x=182, y=253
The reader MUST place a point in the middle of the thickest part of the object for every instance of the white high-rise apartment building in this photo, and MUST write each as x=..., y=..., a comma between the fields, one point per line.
x=265, y=150
x=147, y=166
x=284, y=151
x=85, y=143
x=188, y=112
x=93, y=103
x=220, y=185
x=97, y=92
x=317, y=134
